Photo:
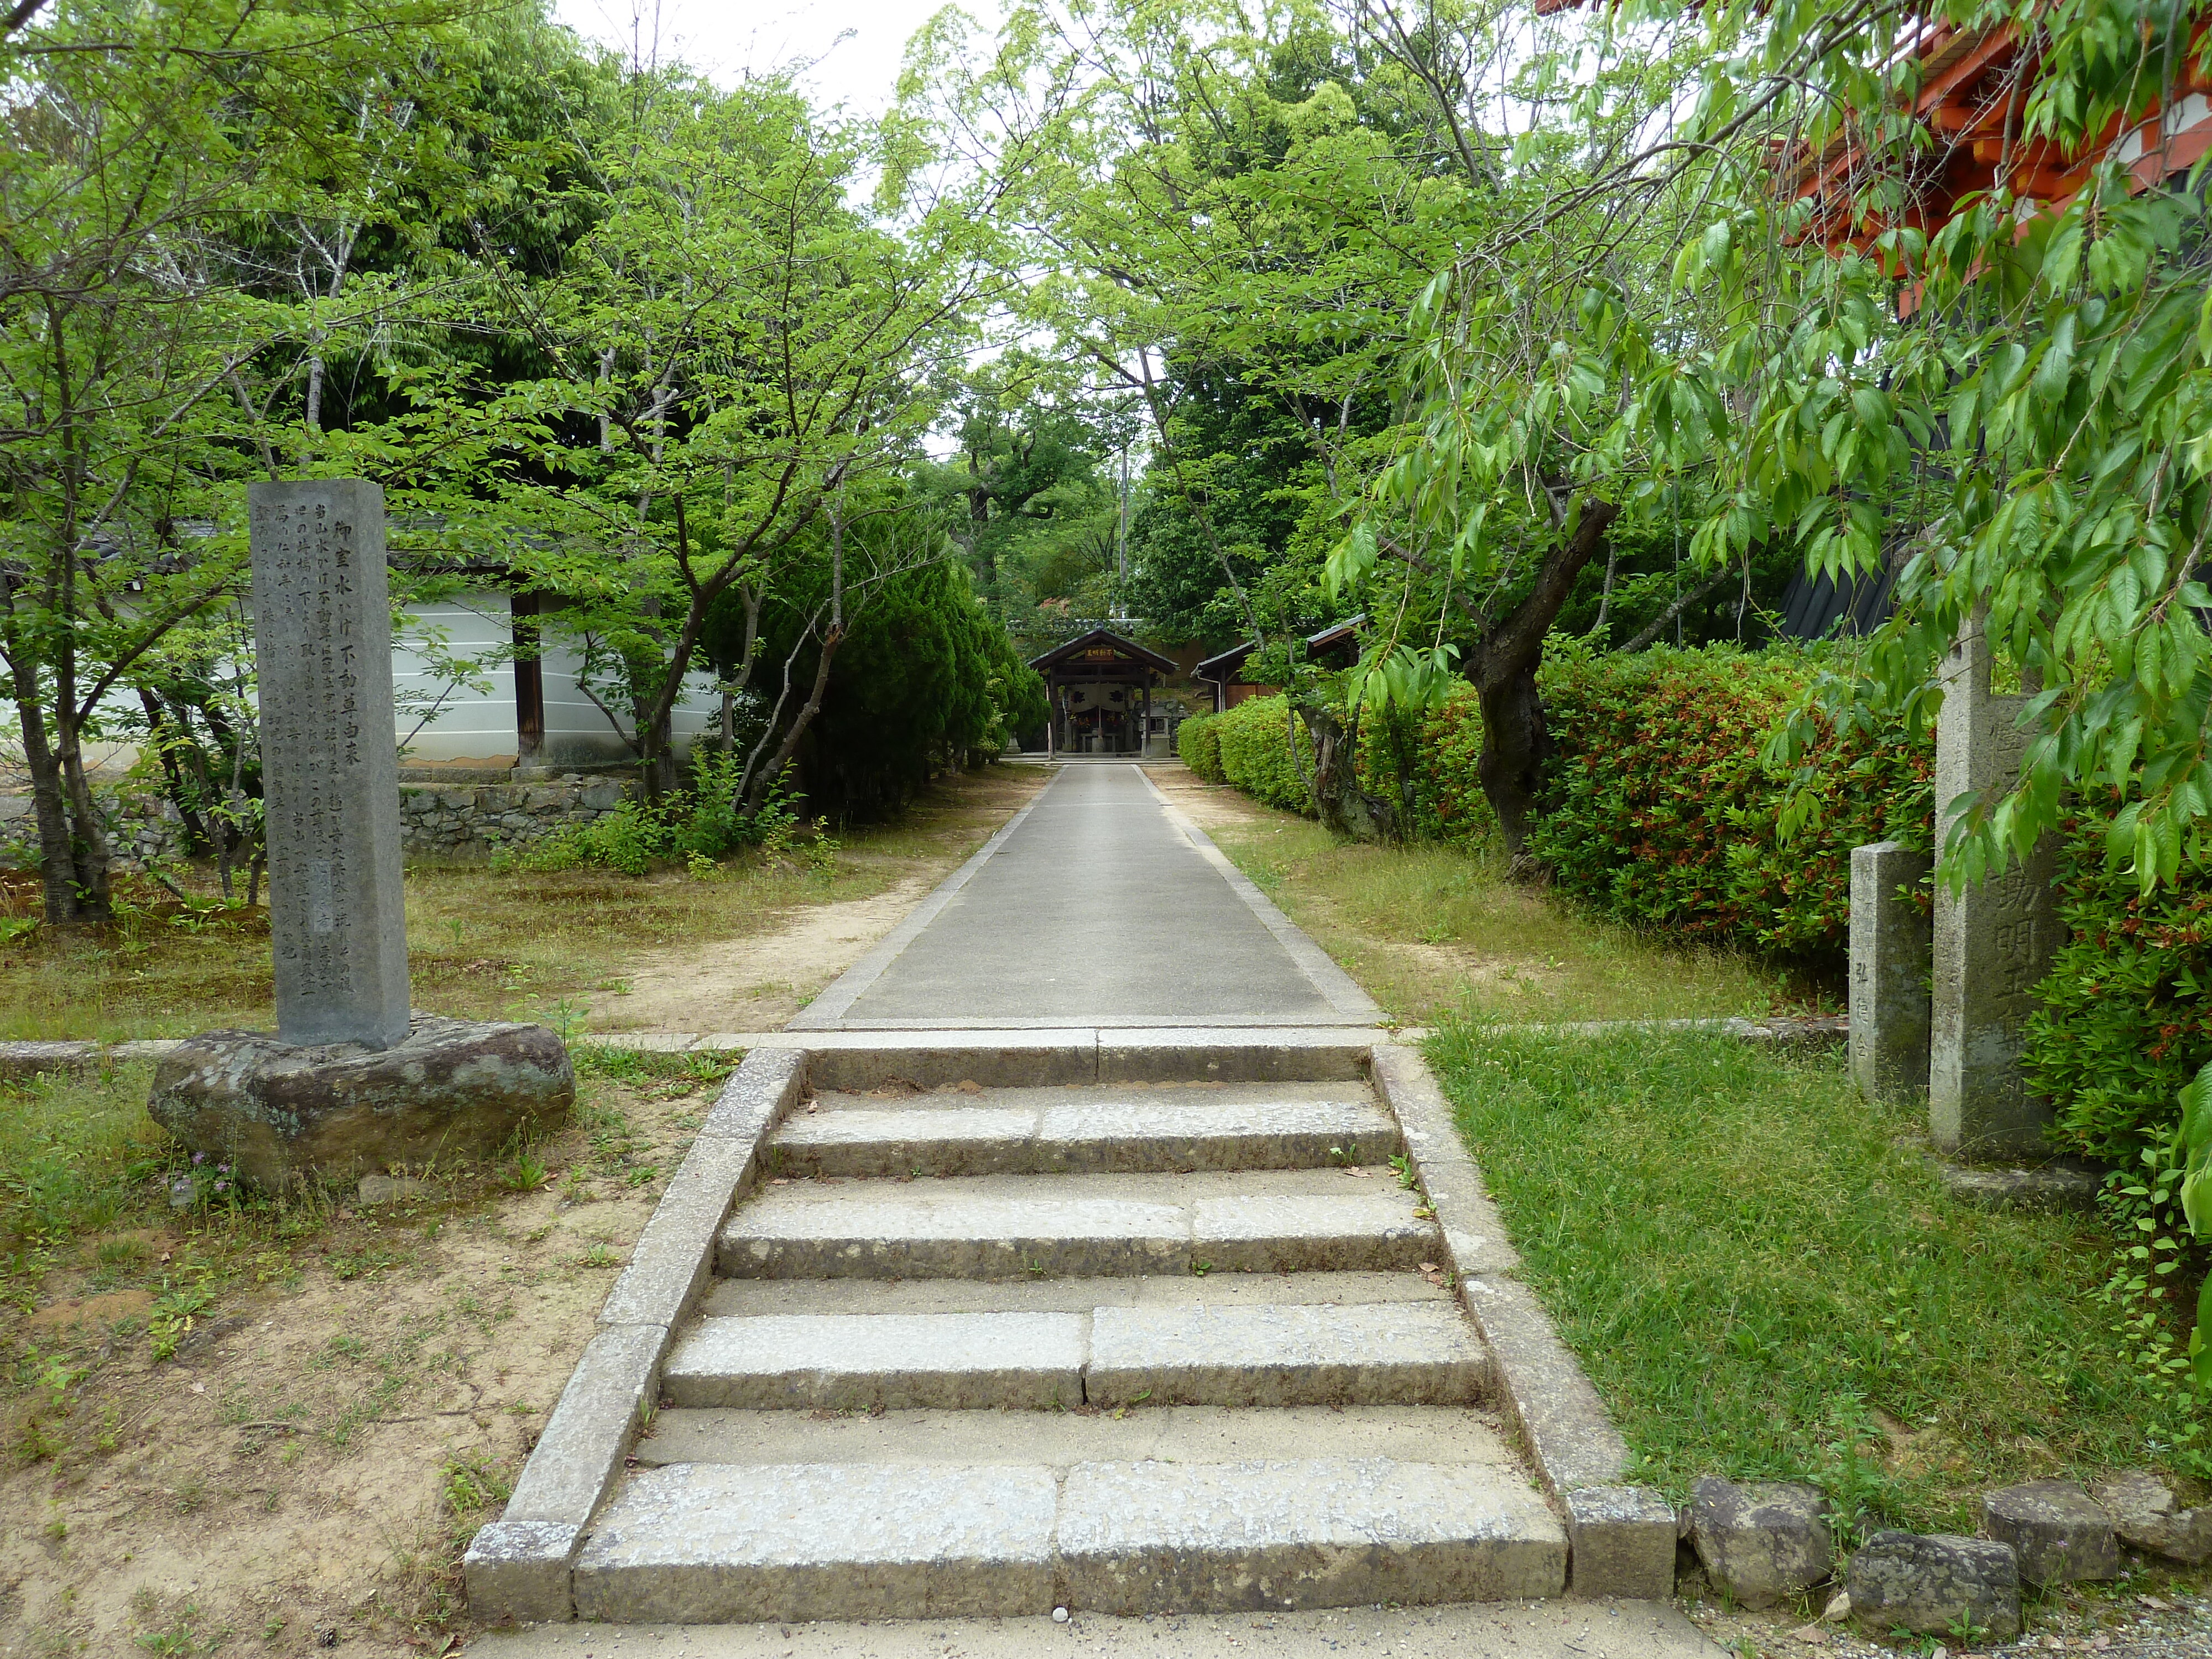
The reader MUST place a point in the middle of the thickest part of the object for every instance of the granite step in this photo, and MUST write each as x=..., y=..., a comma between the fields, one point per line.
x=728, y=1543
x=1021, y=1226
x=1061, y=1440
x=1028, y=1130
x=1291, y=1354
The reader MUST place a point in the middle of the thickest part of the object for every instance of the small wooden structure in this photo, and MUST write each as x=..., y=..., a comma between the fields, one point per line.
x=1336, y=647
x=1099, y=688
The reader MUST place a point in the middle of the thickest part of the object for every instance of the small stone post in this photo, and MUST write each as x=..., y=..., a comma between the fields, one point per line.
x=322, y=637
x=1994, y=941
x=1891, y=947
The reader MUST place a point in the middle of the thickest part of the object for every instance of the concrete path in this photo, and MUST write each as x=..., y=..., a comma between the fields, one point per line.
x=1098, y=904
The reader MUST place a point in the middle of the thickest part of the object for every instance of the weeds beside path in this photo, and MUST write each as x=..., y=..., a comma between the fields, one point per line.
x=1430, y=931
x=576, y=949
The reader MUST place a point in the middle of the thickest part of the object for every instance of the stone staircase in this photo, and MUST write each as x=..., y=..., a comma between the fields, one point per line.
x=1130, y=1348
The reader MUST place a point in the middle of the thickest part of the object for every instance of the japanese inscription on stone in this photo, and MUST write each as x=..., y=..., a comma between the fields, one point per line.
x=322, y=633
x=1993, y=941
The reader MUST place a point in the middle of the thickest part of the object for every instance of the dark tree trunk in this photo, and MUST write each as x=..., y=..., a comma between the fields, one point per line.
x=1516, y=743
x=1342, y=804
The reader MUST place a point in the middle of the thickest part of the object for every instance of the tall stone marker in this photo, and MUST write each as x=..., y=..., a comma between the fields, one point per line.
x=330, y=769
x=1890, y=963
x=1994, y=941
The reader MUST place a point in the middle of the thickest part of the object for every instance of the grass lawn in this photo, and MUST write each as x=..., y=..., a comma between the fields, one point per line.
x=481, y=945
x=1430, y=931
x=1764, y=1278
x=236, y=1425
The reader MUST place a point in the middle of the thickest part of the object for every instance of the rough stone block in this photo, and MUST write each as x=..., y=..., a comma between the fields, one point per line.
x=2144, y=1514
x=1993, y=941
x=517, y=1572
x=1324, y=1533
x=280, y=1113
x=1763, y=1541
x=2056, y=1186
x=762, y=1089
x=1286, y=1354
x=1368, y=1232
x=1621, y=1543
x=896, y=1362
x=579, y=1456
x=1901, y=1581
x=673, y=1259
x=1559, y=1413
x=2058, y=1534
x=28, y=1060
x=955, y=1238
x=1891, y=954
x=729, y=1544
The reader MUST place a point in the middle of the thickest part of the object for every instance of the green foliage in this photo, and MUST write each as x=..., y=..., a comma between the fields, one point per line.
x=2126, y=1018
x=1255, y=743
x=701, y=823
x=1757, y=1268
x=1448, y=804
x=1661, y=811
x=1198, y=742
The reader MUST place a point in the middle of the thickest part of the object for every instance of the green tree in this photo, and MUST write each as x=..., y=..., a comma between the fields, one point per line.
x=736, y=356
x=138, y=137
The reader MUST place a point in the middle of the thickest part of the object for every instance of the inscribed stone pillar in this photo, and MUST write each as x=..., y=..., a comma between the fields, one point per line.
x=322, y=637
x=1994, y=941
x=1891, y=949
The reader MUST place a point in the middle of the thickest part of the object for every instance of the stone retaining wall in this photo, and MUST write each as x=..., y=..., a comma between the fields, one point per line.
x=465, y=821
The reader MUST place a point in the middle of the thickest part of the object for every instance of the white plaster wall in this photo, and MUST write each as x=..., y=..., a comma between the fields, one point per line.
x=469, y=726
x=577, y=732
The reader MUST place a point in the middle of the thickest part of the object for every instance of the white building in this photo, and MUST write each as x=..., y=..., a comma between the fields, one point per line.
x=535, y=712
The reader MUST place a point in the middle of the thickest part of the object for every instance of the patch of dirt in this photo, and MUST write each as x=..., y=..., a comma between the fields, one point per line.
x=1209, y=806
x=350, y=1406
x=757, y=982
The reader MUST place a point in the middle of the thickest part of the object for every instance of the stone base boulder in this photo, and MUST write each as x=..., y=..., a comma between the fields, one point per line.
x=1762, y=1541
x=2143, y=1512
x=2057, y=1533
x=1901, y=1582
x=280, y=1114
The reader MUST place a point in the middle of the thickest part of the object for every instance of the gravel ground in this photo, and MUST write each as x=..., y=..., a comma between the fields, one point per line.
x=2149, y=1613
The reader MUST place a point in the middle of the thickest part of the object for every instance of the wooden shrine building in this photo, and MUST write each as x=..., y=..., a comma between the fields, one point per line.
x=1099, y=688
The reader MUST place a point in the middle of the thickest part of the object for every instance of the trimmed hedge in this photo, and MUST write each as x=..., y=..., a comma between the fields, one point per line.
x=1448, y=804
x=1198, y=742
x=2127, y=1007
x=1256, y=754
x=1659, y=812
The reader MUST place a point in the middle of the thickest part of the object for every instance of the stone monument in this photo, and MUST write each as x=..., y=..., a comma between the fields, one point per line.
x=1994, y=940
x=1890, y=963
x=351, y=1083
x=330, y=762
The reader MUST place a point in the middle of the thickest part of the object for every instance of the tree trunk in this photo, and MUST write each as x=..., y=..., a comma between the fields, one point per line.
x=1343, y=806
x=1514, y=742
x=1516, y=745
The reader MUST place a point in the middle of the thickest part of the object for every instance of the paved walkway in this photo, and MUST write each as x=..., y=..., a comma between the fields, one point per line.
x=1097, y=905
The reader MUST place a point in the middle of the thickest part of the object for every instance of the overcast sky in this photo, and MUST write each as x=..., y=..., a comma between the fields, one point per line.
x=725, y=38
